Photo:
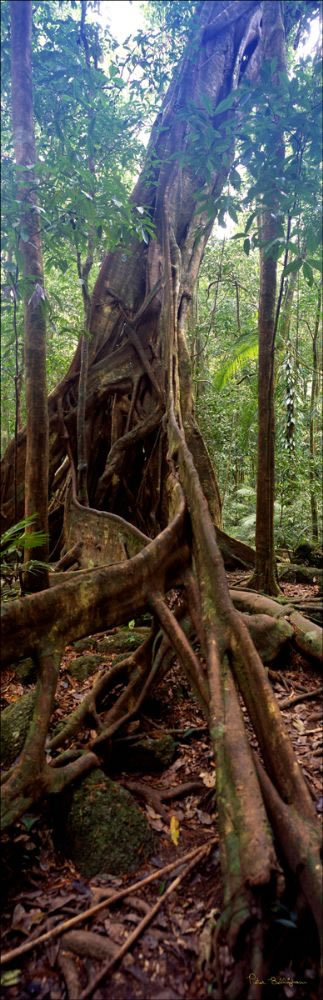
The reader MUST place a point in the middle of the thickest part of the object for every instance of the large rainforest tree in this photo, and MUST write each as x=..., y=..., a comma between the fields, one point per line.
x=154, y=516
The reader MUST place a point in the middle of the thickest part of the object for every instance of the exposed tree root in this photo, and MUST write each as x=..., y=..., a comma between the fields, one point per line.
x=308, y=636
x=299, y=844
x=156, y=796
x=70, y=973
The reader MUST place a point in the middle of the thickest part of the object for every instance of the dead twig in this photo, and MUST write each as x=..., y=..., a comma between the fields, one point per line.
x=67, y=924
x=141, y=927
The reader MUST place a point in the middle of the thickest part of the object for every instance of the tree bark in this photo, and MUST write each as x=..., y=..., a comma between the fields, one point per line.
x=265, y=575
x=36, y=470
x=315, y=388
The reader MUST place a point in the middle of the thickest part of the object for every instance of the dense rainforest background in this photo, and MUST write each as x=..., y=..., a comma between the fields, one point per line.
x=161, y=511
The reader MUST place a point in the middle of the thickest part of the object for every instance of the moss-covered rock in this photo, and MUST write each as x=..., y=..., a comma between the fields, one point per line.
x=102, y=829
x=294, y=573
x=144, y=753
x=124, y=641
x=82, y=644
x=269, y=635
x=14, y=726
x=84, y=666
x=26, y=671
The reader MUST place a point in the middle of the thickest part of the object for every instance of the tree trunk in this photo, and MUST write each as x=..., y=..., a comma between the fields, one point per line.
x=315, y=388
x=36, y=470
x=265, y=575
x=148, y=458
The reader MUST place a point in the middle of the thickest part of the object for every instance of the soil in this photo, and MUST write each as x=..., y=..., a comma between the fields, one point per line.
x=171, y=959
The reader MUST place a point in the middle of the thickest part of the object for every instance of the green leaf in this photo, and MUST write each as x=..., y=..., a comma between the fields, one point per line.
x=246, y=246
x=235, y=179
x=226, y=103
x=11, y=977
x=317, y=264
x=18, y=535
x=293, y=266
x=308, y=273
x=250, y=221
x=29, y=821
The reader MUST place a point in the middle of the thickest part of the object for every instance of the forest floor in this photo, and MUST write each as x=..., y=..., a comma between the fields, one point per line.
x=170, y=960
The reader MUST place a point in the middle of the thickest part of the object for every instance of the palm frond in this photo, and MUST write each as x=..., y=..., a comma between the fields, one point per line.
x=247, y=350
x=18, y=536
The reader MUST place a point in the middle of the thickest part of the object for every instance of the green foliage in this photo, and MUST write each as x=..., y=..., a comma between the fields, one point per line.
x=90, y=117
x=246, y=349
x=17, y=537
x=226, y=393
x=13, y=542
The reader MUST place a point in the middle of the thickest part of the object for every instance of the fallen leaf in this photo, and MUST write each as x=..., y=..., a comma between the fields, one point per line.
x=11, y=977
x=204, y=817
x=35, y=916
x=174, y=829
x=299, y=725
x=208, y=778
x=19, y=918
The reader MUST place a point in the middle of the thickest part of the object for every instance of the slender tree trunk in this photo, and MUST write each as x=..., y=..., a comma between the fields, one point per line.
x=265, y=575
x=36, y=470
x=83, y=273
x=314, y=400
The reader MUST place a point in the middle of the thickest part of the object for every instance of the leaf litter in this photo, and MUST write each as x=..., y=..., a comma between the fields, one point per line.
x=172, y=958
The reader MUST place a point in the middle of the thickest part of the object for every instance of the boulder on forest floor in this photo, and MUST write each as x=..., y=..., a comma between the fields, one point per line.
x=295, y=573
x=15, y=722
x=144, y=753
x=82, y=645
x=310, y=554
x=100, y=827
x=84, y=666
x=123, y=641
x=26, y=671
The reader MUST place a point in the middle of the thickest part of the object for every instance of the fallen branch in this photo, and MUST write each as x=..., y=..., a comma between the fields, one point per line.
x=141, y=927
x=116, y=896
x=309, y=696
